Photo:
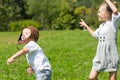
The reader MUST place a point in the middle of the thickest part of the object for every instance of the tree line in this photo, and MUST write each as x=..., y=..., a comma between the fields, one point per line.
x=47, y=14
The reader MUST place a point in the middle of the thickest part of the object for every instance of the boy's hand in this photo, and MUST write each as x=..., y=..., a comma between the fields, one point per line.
x=29, y=70
x=10, y=60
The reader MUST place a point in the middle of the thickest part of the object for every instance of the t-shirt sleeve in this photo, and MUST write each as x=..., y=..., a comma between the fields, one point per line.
x=31, y=47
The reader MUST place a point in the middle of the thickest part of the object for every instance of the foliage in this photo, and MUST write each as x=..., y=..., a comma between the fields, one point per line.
x=19, y=25
x=83, y=13
x=51, y=14
x=9, y=11
x=63, y=22
x=70, y=53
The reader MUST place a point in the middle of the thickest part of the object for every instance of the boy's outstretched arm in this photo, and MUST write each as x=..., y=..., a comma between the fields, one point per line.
x=19, y=53
x=83, y=24
x=112, y=6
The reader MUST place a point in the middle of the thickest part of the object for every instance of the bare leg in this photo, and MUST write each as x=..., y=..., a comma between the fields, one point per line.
x=93, y=75
x=113, y=75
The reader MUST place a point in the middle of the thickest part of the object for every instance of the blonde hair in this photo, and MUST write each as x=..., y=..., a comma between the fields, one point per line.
x=108, y=7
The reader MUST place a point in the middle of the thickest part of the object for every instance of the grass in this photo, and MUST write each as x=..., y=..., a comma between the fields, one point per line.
x=70, y=53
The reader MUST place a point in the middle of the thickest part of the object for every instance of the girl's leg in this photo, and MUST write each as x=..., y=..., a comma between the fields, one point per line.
x=93, y=75
x=113, y=75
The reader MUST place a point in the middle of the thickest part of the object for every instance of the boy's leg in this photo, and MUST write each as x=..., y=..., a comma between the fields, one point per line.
x=44, y=75
x=93, y=75
x=113, y=75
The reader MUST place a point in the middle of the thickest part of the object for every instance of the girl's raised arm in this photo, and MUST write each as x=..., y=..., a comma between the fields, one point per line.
x=112, y=6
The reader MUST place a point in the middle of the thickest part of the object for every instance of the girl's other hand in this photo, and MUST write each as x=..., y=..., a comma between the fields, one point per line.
x=29, y=70
x=10, y=60
x=82, y=23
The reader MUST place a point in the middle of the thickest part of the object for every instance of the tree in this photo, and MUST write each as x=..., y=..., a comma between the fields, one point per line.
x=9, y=11
x=65, y=19
x=48, y=11
x=43, y=10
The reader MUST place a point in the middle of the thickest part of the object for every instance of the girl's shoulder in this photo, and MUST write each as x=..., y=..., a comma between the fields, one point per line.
x=101, y=25
x=114, y=17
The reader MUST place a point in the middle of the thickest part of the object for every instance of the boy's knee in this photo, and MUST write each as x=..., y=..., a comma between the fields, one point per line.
x=92, y=78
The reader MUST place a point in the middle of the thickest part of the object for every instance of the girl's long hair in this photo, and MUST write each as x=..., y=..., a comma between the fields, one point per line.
x=108, y=7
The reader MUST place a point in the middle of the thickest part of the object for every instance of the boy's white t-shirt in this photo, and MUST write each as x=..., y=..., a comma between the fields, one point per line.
x=36, y=57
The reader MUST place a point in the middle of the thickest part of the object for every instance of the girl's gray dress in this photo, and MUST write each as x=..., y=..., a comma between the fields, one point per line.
x=107, y=58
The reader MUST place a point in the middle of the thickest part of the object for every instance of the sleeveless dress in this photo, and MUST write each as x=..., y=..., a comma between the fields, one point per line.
x=107, y=58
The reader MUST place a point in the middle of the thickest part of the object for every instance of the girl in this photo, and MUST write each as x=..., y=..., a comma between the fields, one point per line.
x=106, y=58
x=38, y=62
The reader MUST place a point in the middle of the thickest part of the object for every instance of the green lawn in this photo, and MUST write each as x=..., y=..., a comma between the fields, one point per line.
x=70, y=53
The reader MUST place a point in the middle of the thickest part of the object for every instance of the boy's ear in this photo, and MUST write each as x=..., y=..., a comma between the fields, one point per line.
x=20, y=37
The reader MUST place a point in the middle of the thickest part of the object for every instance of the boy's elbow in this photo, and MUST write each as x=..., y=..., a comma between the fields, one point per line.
x=25, y=50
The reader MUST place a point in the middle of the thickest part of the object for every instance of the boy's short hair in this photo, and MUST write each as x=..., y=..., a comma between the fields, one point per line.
x=34, y=35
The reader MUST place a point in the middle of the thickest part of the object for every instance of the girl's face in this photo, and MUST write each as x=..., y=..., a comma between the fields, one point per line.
x=26, y=33
x=103, y=14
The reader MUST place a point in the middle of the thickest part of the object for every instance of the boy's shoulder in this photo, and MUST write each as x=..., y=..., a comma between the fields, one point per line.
x=30, y=43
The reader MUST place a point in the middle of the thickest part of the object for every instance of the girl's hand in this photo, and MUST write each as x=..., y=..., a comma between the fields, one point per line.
x=107, y=0
x=29, y=70
x=82, y=23
x=10, y=60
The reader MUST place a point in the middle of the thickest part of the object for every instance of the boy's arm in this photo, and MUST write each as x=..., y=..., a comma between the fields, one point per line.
x=30, y=70
x=19, y=53
x=112, y=6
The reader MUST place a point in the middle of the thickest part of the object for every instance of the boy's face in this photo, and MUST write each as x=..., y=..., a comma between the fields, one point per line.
x=103, y=14
x=26, y=33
